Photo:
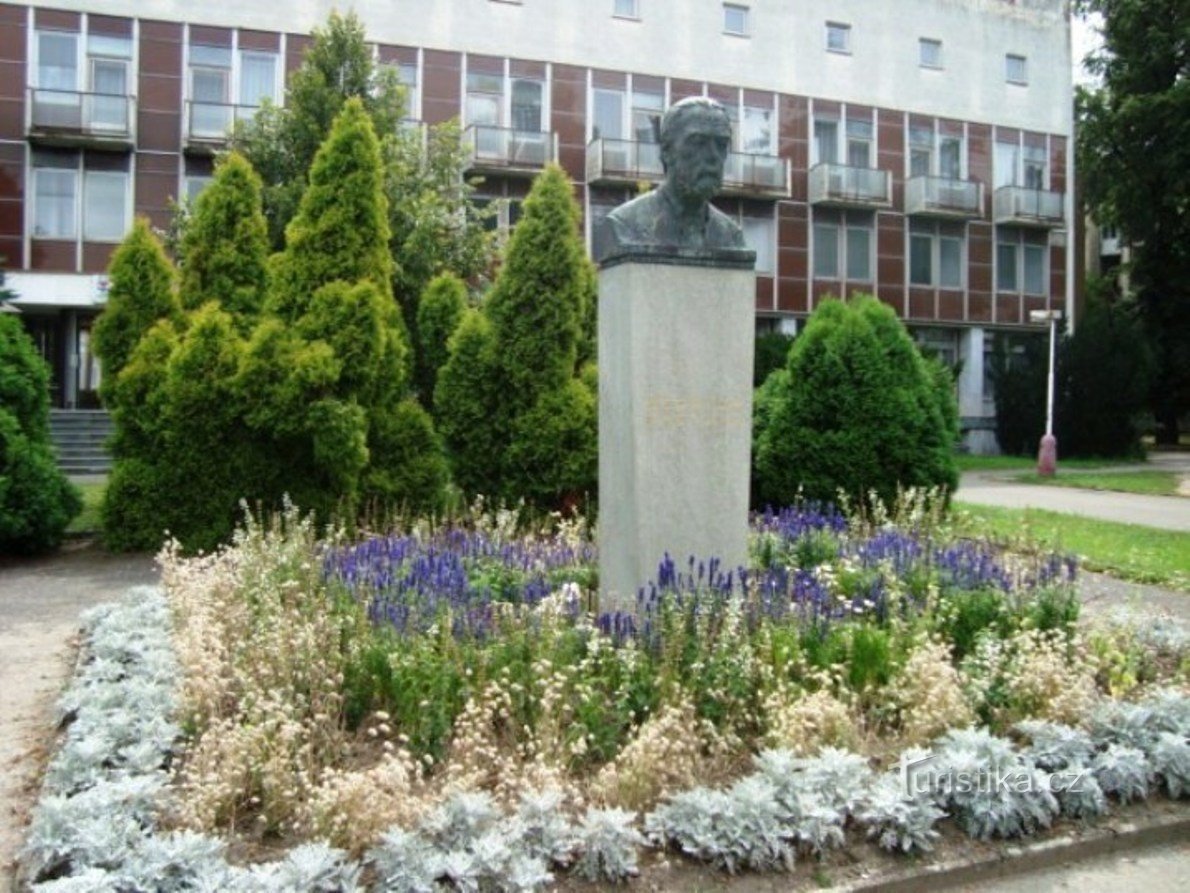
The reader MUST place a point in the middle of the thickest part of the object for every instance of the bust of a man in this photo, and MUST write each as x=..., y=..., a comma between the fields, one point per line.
x=676, y=219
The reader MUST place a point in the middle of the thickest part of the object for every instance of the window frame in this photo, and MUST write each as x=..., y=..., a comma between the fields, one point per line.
x=842, y=228
x=934, y=234
x=842, y=29
x=84, y=222
x=745, y=14
x=770, y=226
x=1013, y=61
x=76, y=199
x=633, y=16
x=938, y=63
x=75, y=38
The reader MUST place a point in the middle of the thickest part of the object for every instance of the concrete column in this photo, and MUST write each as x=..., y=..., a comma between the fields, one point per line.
x=971, y=378
x=675, y=420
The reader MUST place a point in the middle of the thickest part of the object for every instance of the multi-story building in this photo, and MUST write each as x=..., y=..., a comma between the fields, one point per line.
x=919, y=150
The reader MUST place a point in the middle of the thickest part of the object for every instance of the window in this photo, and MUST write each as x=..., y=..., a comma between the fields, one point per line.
x=646, y=116
x=485, y=95
x=929, y=52
x=921, y=151
x=950, y=157
x=1008, y=159
x=526, y=105
x=407, y=78
x=626, y=9
x=210, y=91
x=844, y=243
x=57, y=61
x=735, y=19
x=1034, y=168
x=194, y=186
x=1006, y=277
x=759, y=236
x=1035, y=270
x=941, y=344
x=54, y=200
x=608, y=114
x=936, y=255
x=930, y=155
x=107, y=67
x=756, y=134
x=826, y=140
x=838, y=37
x=1016, y=69
x=859, y=144
x=105, y=205
x=258, y=78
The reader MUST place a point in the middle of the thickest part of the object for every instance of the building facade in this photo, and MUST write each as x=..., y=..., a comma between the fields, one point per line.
x=918, y=150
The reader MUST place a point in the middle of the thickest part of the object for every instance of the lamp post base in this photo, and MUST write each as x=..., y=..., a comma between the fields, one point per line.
x=1047, y=456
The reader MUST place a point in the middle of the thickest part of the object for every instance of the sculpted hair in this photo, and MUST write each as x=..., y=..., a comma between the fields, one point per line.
x=673, y=122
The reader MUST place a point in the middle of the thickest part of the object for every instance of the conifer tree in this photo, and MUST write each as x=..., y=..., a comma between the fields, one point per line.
x=467, y=393
x=438, y=315
x=225, y=246
x=140, y=293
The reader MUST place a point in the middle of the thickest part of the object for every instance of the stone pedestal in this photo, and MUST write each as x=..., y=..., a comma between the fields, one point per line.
x=675, y=419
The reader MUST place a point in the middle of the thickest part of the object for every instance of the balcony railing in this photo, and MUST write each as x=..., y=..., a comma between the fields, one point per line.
x=623, y=161
x=850, y=187
x=78, y=118
x=210, y=124
x=757, y=175
x=1023, y=206
x=505, y=150
x=943, y=197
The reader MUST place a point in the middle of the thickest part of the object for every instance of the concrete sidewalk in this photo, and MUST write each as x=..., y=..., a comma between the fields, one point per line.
x=997, y=488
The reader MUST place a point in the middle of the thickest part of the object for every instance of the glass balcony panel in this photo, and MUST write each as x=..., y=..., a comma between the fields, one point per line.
x=78, y=114
x=943, y=197
x=843, y=185
x=502, y=148
x=1029, y=207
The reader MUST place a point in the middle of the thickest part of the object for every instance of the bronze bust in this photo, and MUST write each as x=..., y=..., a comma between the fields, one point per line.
x=675, y=223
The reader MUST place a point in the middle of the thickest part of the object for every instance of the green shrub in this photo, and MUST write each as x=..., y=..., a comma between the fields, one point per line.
x=1018, y=378
x=466, y=390
x=36, y=499
x=856, y=410
x=772, y=353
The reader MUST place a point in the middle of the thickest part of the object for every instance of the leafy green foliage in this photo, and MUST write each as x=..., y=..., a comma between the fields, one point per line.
x=517, y=411
x=1020, y=394
x=772, y=353
x=1134, y=162
x=36, y=499
x=225, y=247
x=439, y=313
x=857, y=409
x=140, y=293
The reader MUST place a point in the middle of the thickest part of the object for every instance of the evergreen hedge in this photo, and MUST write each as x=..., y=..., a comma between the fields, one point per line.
x=857, y=409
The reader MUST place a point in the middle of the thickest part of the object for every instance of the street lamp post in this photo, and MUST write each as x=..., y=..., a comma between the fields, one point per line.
x=1047, y=452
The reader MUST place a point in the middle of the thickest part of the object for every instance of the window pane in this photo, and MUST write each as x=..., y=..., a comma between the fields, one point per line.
x=103, y=208
x=758, y=130
x=609, y=114
x=950, y=158
x=257, y=77
x=921, y=249
x=859, y=253
x=950, y=262
x=626, y=8
x=838, y=37
x=930, y=52
x=826, y=251
x=859, y=153
x=1007, y=159
x=758, y=233
x=826, y=138
x=526, y=106
x=53, y=208
x=1034, y=269
x=735, y=19
x=57, y=61
x=483, y=108
x=216, y=57
x=106, y=45
x=195, y=186
x=1006, y=266
x=646, y=116
x=1016, y=69
x=1034, y=167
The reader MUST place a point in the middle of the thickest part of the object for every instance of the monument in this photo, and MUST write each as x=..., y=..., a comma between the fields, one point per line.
x=676, y=335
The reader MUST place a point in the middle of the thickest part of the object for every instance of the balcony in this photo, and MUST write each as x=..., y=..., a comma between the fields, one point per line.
x=758, y=176
x=502, y=150
x=1022, y=206
x=209, y=125
x=944, y=197
x=840, y=186
x=622, y=162
x=75, y=118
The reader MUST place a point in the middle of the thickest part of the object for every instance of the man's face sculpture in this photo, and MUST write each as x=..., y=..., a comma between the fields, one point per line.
x=694, y=148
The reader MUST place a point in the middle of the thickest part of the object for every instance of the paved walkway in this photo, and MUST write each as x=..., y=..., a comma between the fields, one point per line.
x=998, y=488
x=40, y=603
x=1157, y=870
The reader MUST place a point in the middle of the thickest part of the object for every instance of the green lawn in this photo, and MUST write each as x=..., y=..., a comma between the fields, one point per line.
x=1128, y=551
x=968, y=462
x=1150, y=483
x=88, y=519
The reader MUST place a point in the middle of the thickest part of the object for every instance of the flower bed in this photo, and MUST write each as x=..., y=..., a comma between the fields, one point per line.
x=443, y=708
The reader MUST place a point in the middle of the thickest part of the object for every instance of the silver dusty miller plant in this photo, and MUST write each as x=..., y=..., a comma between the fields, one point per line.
x=896, y=820
x=1170, y=760
x=1123, y=772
